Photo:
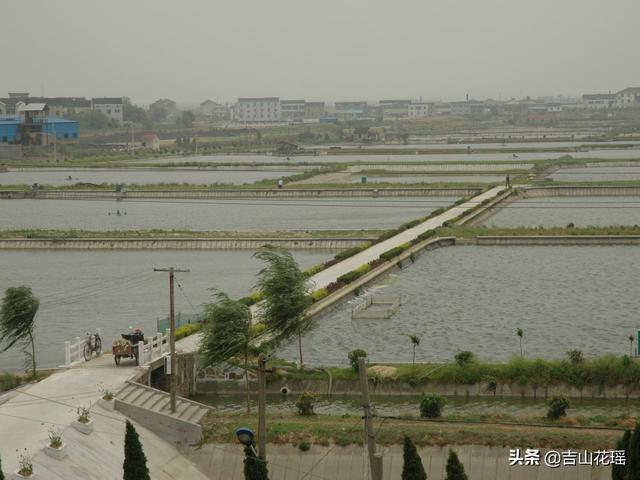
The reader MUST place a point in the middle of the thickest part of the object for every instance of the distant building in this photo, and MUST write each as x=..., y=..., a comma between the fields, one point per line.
x=460, y=108
x=349, y=111
x=3, y=108
x=441, y=108
x=214, y=110
x=554, y=107
x=31, y=125
x=110, y=106
x=258, y=110
x=63, y=106
x=598, y=101
x=292, y=110
x=394, y=109
x=628, y=98
x=418, y=110
x=314, y=110
x=163, y=109
x=151, y=141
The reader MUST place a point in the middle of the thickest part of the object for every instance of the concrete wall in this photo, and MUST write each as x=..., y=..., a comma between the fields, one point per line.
x=569, y=191
x=560, y=240
x=285, y=193
x=181, y=244
x=352, y=387
x=166, y=427
x=224, y=462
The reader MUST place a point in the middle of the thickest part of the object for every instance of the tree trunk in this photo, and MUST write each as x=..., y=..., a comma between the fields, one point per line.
x=300, y=349
x=246, y=380
x=414, y=357
x=521, y=347
x=33, y=355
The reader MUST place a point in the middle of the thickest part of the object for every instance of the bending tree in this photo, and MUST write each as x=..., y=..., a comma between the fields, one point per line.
x=1, y=474
x=286, y=296
x=415, y=341
x=17, y=321
x=227, y=334
x=412, y=468
x=632, y=469
x=135, y=461
x=455, y=469
x=255, y=468
x=520, y=334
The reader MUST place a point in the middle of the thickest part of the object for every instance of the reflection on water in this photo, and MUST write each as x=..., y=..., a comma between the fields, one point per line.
x=82, y=290
x=560, y=211
x=474, y=298
x=408, y=406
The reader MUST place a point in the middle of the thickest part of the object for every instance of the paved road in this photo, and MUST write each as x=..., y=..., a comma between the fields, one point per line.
x=27, y=414
x=329, y=275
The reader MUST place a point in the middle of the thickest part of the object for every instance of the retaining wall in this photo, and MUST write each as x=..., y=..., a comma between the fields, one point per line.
x=570, y=191
x=180, y=244
x=560, y=240
x=265, y=193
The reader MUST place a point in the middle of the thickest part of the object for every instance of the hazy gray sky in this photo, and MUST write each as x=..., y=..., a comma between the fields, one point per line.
x=190, y=50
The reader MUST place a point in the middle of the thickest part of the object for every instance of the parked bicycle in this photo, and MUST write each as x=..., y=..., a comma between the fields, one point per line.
x=92, y=343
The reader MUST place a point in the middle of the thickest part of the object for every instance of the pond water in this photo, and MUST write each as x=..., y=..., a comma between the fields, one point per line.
x=257, y=214
x=560, y=211
x=406, y=156
x=408, y=406
x=115, y=289
x=590, y=174
x=137, y=177
x=474, y=298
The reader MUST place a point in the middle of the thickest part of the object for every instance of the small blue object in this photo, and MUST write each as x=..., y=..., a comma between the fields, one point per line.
x=245, y=436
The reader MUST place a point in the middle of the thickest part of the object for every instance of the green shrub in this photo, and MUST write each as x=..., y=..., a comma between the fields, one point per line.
x=350, y=252
x=188, y=329
x=392, y=253
x=310, y=272
x=319, y=294
x=304, y=446
x=558, y=405
x=354, y=355
x=463, y=358
x=431, y=406
x=305, y=404
x=349, y=277
x=252, y=299
x=9, y=381
x=575, y=356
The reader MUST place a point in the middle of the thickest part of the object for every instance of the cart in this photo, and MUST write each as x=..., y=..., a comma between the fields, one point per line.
x=126, y=347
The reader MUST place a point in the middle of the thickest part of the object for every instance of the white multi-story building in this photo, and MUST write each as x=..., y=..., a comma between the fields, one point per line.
x=111, y=107
x=598, y=101
x=292, y=110
x=250, y=110
x=628, y=98
x=417, y=110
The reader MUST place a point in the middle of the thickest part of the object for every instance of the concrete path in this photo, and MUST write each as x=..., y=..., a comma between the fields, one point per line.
x=26, y=416
x=324, y=278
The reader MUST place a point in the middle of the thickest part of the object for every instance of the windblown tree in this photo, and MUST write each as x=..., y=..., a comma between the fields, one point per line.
x=227, y=334
x=17, y=322
x=632, y=469
x=286, y=296
x=520, y=334
x=135, y=461
x=1, y=474
x=412, y=468
x=618, y=471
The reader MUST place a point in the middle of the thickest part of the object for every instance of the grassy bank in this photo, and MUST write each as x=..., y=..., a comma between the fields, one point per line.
x=472, y=232
x=347, y=430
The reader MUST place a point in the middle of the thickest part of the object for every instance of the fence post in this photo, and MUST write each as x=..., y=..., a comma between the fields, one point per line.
x=140, y=353
x=78, y=348
x=161, y=341
x=67, y=353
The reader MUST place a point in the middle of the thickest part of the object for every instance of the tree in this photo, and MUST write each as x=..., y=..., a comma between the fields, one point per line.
x=520, y=334
x=415, y=341
x=631, y=339
x=618, y=471
x=134, y=113
x=135, y=461
x=92, y=119
x=558, y=405
x=575, y=356
x=255, y=468
x=286, y=296
x=227, y=334
x=463, y=358
x=632, y=469
x=354, y=356
x=412, y=468
x=1, y=474
x=455, y=469
x=17, y=321
x=186, y=119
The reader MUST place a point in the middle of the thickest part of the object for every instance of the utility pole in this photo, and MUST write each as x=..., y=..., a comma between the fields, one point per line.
x=375, y=459
x=262, y=406
x=172, y=334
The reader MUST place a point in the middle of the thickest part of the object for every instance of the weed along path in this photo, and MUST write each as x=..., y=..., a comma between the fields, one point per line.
x=331, y=274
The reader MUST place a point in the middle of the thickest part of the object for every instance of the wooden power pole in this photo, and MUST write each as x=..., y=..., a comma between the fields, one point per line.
x=172, y=334
x=375, y=459
x=262, y=406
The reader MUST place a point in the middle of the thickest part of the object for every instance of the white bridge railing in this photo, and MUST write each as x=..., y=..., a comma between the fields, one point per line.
x=73, y=350
x=154, y=348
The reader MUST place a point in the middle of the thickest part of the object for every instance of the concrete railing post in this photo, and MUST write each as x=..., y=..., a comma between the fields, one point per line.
x=140, y=353
x=67, y=353
x=161, y=343
x=78, y=349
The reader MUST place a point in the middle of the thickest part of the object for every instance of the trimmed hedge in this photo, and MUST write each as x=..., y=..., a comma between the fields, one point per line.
x=319, y=294
x=186, y=330
x=252, y=299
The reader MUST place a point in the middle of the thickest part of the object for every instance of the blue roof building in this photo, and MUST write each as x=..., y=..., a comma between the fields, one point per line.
x=14, y=130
